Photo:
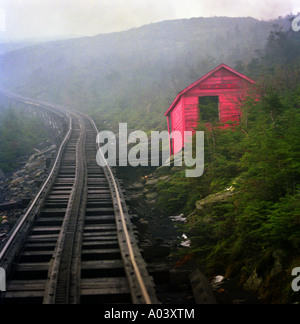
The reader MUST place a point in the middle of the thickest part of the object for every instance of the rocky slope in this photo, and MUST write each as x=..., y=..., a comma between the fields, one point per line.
x=17, y=190
x=165, y=245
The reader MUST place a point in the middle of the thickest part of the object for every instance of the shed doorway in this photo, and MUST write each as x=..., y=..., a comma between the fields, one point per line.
x=209, y=109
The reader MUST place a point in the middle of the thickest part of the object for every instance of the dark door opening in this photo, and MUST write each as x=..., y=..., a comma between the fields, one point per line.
x=209, y=109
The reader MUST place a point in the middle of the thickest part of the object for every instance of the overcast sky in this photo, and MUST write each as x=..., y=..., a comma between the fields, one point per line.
x=24, y=19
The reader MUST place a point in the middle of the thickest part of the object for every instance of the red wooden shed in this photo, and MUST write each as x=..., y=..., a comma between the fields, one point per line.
x=222, y=88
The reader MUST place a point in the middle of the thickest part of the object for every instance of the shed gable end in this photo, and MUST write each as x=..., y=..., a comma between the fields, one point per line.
x=225, y=86
x=223, y=79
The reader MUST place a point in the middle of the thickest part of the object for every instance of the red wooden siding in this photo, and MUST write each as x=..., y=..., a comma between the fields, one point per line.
x=224, y=82
x=177, y=125
x=191, y=113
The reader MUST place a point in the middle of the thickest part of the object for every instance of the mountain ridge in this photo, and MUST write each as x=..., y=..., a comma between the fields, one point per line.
x=127, y=75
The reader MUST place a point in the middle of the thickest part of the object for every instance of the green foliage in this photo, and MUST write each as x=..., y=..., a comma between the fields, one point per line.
x=174, y=193
x=19, y=133
x=282, y=227
x=259, y=161
x=268, y=173
x=278, y=62
x=209, y=109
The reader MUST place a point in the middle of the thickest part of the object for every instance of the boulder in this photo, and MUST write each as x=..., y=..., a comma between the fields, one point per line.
x=163, y=170
x=176, y=169
x=280, y=259
x=203, y=292
x=40, y=174
x=135, y=200
x=219, y=198
x=152, y=196
x=142, y=225
x=33, y=165
x=153, y=182
x=254, y=282
x=165, y=178
x=136, y=187
x=17, y=181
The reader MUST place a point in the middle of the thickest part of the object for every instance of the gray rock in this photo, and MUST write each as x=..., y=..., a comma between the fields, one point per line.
x=279, y=257
x=163, y=170
x=39, y=174
x=135, y=200
x=135, y=187
x=33, y=165
x=152, y=182
x=165, y=178
x=152, y=203
x=177, y=169
x=221, y=197
x=143, y=225
x=254, y=282
x=203, y=292
x=17, y=181
x=152, y=196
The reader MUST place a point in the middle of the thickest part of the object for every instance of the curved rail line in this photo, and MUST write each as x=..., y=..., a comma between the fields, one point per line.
x=126, y=233
x=31, y=207
x=73, y=239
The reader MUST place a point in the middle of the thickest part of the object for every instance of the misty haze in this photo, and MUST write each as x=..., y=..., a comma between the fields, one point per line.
x=74, y=231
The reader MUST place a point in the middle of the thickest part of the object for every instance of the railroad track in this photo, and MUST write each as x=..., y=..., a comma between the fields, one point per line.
x=75, y=244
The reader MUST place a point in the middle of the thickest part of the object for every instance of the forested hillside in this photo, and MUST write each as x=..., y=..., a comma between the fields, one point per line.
x=6, y=47
x=19, y=133
x=245, y=210
x=131, y=76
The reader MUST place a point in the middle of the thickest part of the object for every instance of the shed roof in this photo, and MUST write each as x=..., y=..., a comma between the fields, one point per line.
x=193, y=85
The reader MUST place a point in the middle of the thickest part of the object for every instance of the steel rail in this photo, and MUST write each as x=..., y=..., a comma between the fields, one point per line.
x=57, y=259
x=134, y=264
x=126, y=233
x=32, y=205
